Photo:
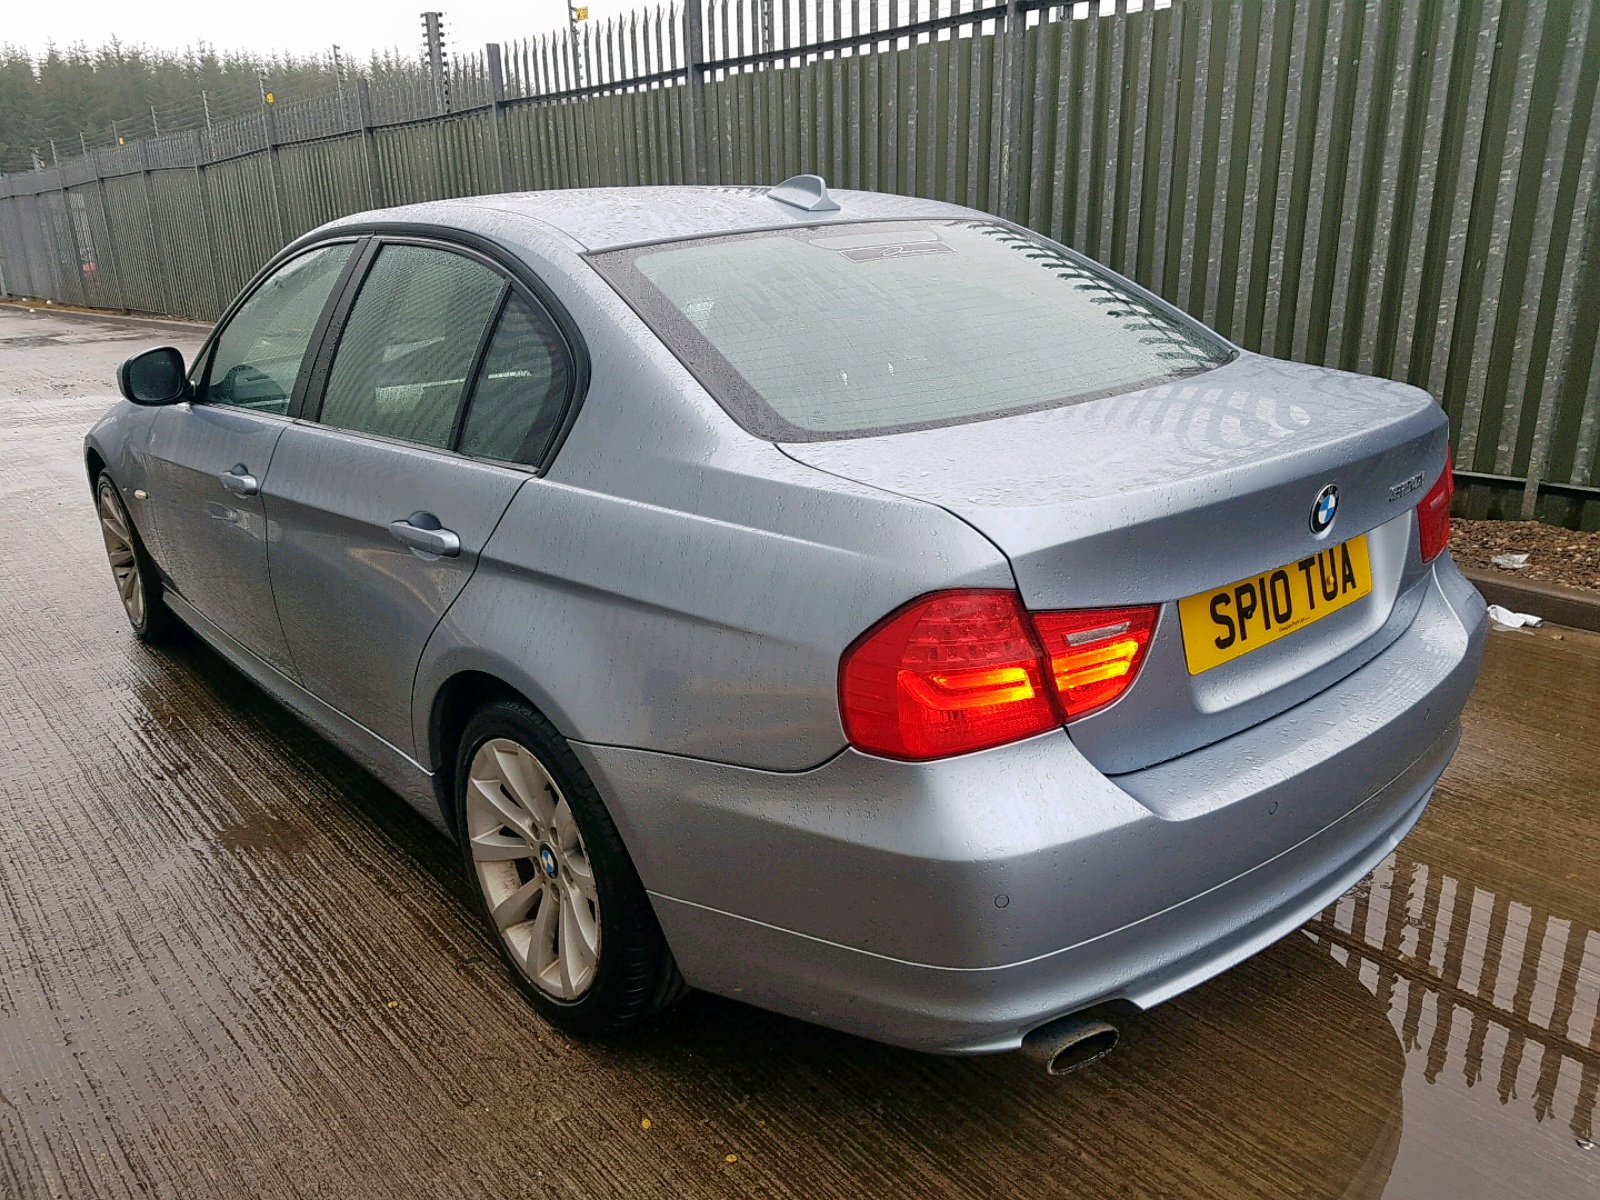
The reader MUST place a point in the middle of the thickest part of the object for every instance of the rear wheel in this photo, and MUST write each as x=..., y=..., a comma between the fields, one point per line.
x=138, y=584
x=553, y=880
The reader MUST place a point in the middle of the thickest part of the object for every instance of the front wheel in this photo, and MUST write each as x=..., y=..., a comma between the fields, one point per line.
x=138, y=584
x=554, y=882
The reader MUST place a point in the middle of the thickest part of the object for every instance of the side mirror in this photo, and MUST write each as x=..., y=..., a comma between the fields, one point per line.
x=154, y=377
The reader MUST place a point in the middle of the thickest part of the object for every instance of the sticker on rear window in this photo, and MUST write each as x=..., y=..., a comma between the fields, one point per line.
x=897, y=250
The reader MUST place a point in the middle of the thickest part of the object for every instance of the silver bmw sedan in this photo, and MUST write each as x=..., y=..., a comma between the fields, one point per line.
x=858, y=605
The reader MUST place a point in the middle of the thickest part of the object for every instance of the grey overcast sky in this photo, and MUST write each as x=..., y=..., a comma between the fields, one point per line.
x=302, y=26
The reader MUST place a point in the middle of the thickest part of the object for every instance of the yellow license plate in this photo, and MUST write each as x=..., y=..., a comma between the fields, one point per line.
x=1226, y=622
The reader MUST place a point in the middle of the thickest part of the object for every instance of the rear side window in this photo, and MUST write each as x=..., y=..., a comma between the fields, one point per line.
x=521, y=389
x=851, y=330
x=407, y=350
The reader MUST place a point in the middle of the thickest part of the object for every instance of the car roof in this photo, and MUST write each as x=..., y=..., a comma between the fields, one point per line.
x=610, y=218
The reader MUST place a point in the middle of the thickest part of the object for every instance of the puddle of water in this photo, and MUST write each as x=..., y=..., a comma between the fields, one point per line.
x=36, y=341
x=1494, y=1000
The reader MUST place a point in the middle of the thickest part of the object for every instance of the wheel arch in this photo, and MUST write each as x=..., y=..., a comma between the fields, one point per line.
x=95, y=463
x=456, y=700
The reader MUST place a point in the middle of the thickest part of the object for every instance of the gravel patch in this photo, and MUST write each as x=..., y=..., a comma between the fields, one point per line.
x=1555, y=555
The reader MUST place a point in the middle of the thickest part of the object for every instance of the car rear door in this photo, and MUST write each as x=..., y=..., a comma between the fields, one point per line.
x=376, y=516
x=207, y=457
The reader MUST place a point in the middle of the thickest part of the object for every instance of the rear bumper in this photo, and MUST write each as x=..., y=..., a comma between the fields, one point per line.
x=954, y=906
x=990, y=1009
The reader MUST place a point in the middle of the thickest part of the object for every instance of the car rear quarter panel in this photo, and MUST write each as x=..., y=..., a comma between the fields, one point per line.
x=995, y=858
x=674, y=584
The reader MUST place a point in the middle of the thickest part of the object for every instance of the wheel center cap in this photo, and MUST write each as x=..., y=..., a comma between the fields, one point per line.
x=547, y=860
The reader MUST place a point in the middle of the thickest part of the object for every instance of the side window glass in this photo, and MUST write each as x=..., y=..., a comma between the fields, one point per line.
x=521, y=390
x=403, y=360
x=257, y=356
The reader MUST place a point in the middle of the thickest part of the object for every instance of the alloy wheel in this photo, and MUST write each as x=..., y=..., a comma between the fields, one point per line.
x=124, y=561
x=535, y=875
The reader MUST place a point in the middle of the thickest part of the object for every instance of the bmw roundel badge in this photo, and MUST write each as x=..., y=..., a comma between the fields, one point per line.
x=1324, y=509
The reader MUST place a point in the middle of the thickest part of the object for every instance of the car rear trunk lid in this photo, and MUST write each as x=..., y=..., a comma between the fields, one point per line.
x=1155, y=495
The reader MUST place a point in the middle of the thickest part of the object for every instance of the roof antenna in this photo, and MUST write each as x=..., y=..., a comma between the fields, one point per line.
x=808, y=193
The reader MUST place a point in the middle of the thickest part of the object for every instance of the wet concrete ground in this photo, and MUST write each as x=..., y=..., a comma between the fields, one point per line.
x=231, y=964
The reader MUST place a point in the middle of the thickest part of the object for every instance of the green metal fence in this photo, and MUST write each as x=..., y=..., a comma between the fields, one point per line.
x=1405, y=187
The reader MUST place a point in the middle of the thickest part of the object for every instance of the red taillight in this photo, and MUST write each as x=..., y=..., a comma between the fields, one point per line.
x=961, y=671
x=952, y=672
x=1433, y=514
x=1094, y=654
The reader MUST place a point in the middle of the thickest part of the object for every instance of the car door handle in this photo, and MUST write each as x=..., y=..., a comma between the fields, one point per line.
x=239, y=481
x=422, y=531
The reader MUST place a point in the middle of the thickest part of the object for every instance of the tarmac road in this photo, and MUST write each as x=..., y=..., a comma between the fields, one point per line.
x=233, y=965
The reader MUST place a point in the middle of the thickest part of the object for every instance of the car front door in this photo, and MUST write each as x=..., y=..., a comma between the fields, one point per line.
x=379, y=506
x=208, y=456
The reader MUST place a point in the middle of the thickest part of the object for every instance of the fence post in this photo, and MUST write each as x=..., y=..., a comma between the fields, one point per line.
x=1011, y=110
x=76, y=255
x=269, y=124
x=155, y=238
x=7, y=211
x=1586, y=226
x=114, y=258
x=497, y=116
x=36, y=271
x=52, y=256
x=369, y=144
x=696, y=162
x=206, y=222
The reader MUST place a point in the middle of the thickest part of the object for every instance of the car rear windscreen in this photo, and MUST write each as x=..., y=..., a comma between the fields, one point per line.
x=852, y=330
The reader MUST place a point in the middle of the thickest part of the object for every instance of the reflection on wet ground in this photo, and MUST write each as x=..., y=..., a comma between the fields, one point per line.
x=232, y=964
x=1478, y=983
x=1487, y=994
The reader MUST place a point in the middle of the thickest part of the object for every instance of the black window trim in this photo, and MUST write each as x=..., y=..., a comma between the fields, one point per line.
x=520, y=278
x=309, y=402
x=475, y=371
x=205, y=356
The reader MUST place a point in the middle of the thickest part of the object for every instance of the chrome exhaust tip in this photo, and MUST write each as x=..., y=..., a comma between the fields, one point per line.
x=1070, y=1043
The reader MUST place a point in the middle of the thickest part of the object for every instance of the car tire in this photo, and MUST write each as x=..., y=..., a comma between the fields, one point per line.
x=132, y=570
x=553, y=882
